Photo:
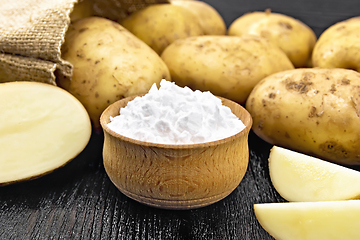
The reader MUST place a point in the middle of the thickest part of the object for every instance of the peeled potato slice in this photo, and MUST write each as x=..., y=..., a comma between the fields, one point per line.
x=311, y=220
x=299, y=177
x=42, y=128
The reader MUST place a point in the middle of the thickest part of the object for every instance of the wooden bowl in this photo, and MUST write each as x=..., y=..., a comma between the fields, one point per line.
x=174, y=176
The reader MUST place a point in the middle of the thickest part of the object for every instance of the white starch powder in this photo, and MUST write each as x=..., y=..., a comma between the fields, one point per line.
x=175, y=115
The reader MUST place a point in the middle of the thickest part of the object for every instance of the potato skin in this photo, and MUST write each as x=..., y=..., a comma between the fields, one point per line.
x=313, y=111
x=339, y=46
x=210, y=20
x=227, y=66
x=294, y=37
x=159, y=25
x=82, y=9
x=109, y=63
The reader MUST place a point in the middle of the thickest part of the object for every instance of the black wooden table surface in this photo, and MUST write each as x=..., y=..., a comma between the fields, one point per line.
x=78, y=201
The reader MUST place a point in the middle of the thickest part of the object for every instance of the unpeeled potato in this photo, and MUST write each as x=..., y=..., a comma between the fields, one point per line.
x=227, y=66
x=82, y=9
x=313, y=111
x=210, y=20
x=159, y=25
x=109, y=63
x=291, y=35
x=339, y=46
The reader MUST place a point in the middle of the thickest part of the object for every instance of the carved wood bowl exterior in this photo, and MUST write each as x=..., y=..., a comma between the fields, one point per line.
x=173, y=176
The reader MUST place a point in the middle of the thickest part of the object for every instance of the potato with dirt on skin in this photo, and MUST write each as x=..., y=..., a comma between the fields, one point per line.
x=312, y=111
x=159, y=25
x=294, y=37
x=339, y=46
x=109, y=63
x=210, y=19
x=227, y=66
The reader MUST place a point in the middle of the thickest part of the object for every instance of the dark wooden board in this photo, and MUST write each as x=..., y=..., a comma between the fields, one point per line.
x=78, y=201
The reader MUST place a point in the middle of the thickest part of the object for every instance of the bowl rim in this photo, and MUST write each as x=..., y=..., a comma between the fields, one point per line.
x=245, y=131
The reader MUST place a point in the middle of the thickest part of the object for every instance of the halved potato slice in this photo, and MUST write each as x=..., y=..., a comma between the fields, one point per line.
x=42, y=128
x=299, y=177
x=328, y=220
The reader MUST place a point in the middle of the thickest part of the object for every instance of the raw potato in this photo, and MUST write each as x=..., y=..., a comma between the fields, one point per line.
x=339, y=46
x=82, y=9
x=42, y=128
x=110, y=63
x=228, y=66
x=210, y=20
x=312, y=111
x=298, y=177
x=294, y=37
x=333, y=220
x=168, y=23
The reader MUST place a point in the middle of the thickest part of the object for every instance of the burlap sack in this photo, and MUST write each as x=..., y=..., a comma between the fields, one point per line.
x=32, y=32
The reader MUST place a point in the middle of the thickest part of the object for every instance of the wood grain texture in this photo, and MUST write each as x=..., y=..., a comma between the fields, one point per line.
x=79, y=201
x=175, y=176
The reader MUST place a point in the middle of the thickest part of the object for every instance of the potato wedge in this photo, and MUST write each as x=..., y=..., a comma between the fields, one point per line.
x=333, y=220
x=299, y=177
x=42, y=128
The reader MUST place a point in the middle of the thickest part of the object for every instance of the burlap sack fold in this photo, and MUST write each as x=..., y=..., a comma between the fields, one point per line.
x=32, y=32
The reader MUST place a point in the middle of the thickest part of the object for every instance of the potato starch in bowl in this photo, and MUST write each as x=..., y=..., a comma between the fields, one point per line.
x=175, y=115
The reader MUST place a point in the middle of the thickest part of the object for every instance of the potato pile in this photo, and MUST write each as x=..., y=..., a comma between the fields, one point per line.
x=302, y=92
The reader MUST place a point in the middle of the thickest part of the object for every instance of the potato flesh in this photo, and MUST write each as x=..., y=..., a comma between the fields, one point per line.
x=299, y=177
x=333, y=220
x=42, y=128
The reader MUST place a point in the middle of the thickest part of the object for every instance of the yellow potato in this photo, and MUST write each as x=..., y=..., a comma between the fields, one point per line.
x=109, y=63
x=339, y=46
x=294, y=37
x=228, y=66
x=301, y=178
x=313, y=111
x=210, y=20
x=333, y=220
x=82, y=9
x=42, y=128
x=159, y=25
